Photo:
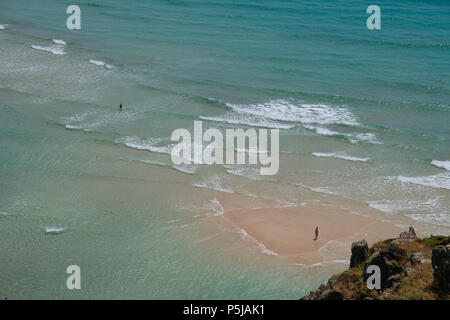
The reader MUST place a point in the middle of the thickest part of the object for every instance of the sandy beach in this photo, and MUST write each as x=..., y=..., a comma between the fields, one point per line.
x=289, y=231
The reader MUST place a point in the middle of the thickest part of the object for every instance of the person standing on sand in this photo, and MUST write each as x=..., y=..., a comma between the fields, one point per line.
x=317, y=233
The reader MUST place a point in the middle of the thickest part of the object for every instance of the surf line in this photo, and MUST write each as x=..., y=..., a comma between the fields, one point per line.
x=188, y=151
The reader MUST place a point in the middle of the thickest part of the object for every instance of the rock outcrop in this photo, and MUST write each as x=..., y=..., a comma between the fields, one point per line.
x=441, y=267
x=360, y=252
x=410, y=235
x=406, y=271
x=388, y=260
x=416, y=258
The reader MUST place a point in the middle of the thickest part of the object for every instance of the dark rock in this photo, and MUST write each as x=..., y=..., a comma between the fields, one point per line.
x=360, y=252
x=410, y=235
x=440, y=261
x=393, y=253
x=416, y=258
x=331, y=295
x=388, y=260
x=393, y=280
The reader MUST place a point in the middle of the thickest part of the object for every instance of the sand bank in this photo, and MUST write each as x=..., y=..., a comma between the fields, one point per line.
x=289, y=231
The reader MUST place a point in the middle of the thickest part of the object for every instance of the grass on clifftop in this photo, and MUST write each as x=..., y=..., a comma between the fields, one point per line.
x=437, y=241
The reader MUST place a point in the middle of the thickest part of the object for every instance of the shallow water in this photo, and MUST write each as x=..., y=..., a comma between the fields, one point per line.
x=363, y=118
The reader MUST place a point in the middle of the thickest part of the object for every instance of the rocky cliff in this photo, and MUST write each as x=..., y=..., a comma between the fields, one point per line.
x=408, y=268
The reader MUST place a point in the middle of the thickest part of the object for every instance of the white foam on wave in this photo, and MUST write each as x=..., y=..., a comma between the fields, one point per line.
x=325, y=190
x=354, y=137
x=75, y=127
x=244, y=235
x=189, y=169
x=100, y=64
x=55, y=49
x=149, y=144
x=340, y=156
x=366, y=137
x=398, y=205
x=215, y=183
x=246, y=172
x=441, y=164
x=250, y=123
x=441, y=180
x=3, y=26
x=156, y=145
x=60, y=42
x=441, y=219
x=97, y=62
x=4, y=213
x=94, y=119
x=324, y=131
x=53, y=230
x=289, y=111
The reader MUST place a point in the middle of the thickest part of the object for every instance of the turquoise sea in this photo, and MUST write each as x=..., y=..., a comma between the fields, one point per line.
x=364, y=119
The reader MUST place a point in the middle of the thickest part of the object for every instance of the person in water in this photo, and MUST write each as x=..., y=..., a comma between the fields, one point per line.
x=317, y=233
x=120, y=107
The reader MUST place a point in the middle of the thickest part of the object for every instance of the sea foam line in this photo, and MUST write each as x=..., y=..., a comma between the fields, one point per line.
x=249, y=123
x=340, y=156
x=441, y=180
x=60, y=42
x=55, y=49
x=289, y=111
x=441, y=219
x=53, y=230
x=259, y=245
x=441, y=164
x=100, y=64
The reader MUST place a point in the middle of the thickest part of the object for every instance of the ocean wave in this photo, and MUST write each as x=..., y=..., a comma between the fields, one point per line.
x=100, y=64
x=250, y=123
x=441, y=180
x=354, y=137
x=156, y=163
x=324, y=131
x=325, y=190
x=366, y=137
x=215, y=183
x=60, y=42
x=251, y=173
x=340, y=156
x=149, y=144
x=441, y=164
x=285, y=110
x=53, y=230
x=55, y=49
x=189, y=169
x=94, y=119
x=391, y=206
x=442, y=219
x=244, y=235
x=3, y=26
x=75, y=127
